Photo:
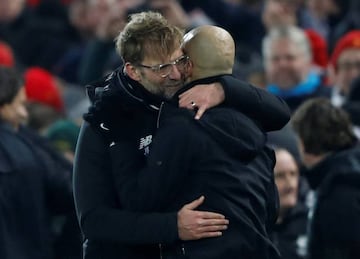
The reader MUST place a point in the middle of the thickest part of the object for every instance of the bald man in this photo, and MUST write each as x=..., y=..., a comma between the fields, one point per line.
x=221, y=156
x=211, y=50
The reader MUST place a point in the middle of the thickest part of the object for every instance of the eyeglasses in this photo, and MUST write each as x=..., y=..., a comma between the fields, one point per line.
x=164, y=70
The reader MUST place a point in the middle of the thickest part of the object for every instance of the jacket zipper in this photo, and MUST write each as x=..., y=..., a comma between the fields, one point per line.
x=159, y=115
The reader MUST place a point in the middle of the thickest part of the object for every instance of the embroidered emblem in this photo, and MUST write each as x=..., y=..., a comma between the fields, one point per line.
x=145, y=143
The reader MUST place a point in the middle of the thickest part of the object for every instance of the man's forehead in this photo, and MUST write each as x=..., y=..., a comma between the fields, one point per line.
x=156, y=59
x=353, y=53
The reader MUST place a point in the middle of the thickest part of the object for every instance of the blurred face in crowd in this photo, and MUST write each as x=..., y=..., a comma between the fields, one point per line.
x=286, y=65
x=96, y=12
x=162, y=76
x=322, y=7
x=286, y=179
x=15, y=112
x=10, y=9
x=278, y=12
x=347, y=69
x=78, y=16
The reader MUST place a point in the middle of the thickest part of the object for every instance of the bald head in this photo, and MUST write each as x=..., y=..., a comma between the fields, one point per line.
x=211, y=50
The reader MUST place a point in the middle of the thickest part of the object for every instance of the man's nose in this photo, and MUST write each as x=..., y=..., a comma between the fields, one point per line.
x=175, y=73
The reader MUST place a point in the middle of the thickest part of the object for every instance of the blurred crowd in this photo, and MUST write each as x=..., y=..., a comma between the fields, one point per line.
x=296, y=49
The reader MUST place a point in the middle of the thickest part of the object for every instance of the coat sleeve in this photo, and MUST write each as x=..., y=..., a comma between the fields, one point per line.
x=268, y=110
x=172, y=154
x=97, y=205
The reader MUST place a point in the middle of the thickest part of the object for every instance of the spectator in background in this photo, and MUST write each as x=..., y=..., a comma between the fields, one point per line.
x=344, y=66
x=45, y=102
x=35, y=186
x=288, y=66
x=279, y=13
x=289, y=233
x=6, y=55
x=319, y=50
x=38, y=36
x=352, y=105
x=331, y=154
x=316, y=15
x=63, y=136
x=348, y=20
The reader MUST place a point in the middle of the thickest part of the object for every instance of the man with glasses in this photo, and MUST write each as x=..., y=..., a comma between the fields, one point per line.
x=123, y=118
x=165, y=69
x=222, y=156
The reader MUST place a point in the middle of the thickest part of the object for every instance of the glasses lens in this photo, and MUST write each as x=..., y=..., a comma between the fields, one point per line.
x=165, y=70
x=181, y=62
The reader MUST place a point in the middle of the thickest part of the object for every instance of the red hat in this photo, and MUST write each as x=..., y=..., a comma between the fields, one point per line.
x=349, y=41
x=6, y=55
x=318, y=47
x=33, y=3
x=41, y=87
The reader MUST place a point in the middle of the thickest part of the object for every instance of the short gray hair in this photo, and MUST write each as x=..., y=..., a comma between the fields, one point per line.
x=293, y=33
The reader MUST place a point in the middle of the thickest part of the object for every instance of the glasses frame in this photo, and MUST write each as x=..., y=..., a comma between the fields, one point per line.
x=157, y=68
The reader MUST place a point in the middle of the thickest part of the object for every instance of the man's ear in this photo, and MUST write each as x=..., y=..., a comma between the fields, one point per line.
x=132, y=71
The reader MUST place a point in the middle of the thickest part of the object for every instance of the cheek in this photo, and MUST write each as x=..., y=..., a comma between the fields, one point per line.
x=280, y=186
x=22, y=112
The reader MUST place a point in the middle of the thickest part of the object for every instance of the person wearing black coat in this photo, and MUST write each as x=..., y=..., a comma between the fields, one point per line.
x=35, y=185
x=124, y=114
x=332, y=155
x=290, y=231
x=222, y=156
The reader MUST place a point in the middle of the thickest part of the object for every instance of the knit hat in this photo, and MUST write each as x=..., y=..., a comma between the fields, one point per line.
x=318, y=47
x=348, y=41
x=63, y=134
x=41, y=87
x=6, y=55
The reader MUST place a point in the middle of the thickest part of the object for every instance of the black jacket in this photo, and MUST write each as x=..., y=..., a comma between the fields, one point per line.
x=290, y=236
x=335, y=224
x=32, y=190
x=123, y=111
x=223, y=157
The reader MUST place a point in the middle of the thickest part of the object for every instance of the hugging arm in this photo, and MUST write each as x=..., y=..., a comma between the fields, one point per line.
x=101, y=215
x=268, y=110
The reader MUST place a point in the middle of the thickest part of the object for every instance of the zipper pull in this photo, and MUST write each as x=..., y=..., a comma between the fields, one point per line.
x=159, y=114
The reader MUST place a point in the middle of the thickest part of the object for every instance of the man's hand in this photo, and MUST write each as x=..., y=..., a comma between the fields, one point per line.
x=194, y=224
x=202, y=97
